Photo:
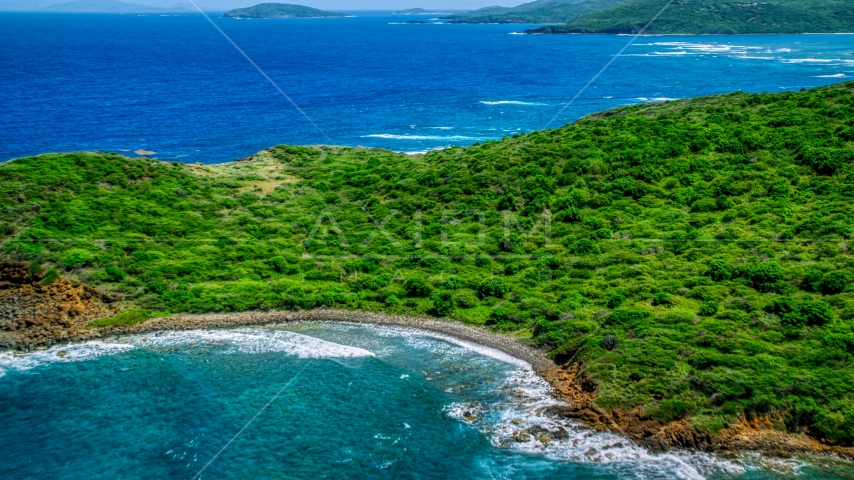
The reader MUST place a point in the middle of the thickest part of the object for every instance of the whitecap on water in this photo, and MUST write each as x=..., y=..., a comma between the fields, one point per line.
x=389, y=136
x=511, y=102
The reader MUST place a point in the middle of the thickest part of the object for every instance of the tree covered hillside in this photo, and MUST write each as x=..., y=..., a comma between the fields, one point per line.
x=695, y=255
x=717, y=17
x=539, y=11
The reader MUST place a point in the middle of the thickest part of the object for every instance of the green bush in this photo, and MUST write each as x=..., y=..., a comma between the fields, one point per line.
x=669, y=410
x=625, y=317
x=512, y=268
x=77, y=259
x=493, y=287
x=719, y=270
x=498, y=315
x=483, y=261
x=799, y=314
x=833, y=283
x=50, y=276
x=708, y=309
x=113, y=273
x=35, y=269
x=615, y=300
x=662, y=298
x=278, y=263
x=583, y=247
x=443, y=303
x=156, y=288
x=452, y=283
x=129, y=317
x=416, y=287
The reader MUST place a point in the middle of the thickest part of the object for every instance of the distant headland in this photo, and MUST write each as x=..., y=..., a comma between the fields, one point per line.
x=713, y=17
x=280, y=10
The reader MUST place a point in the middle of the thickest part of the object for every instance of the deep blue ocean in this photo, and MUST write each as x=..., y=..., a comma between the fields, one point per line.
x=175, y=86
x=353, y=401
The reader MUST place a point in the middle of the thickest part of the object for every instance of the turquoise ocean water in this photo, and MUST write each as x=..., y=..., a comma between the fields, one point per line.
x=354, y=401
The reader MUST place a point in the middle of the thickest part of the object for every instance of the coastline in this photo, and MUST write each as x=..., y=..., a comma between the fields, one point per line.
x=569, y=383
x=535, y=357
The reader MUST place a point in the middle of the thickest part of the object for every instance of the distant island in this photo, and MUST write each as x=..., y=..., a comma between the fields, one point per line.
x=280, y=10
x=108, y=6
x=715, y=17
x=540, y=11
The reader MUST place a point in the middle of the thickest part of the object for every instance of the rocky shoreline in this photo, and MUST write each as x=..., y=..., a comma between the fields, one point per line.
x=35, y=315
x=570, y=384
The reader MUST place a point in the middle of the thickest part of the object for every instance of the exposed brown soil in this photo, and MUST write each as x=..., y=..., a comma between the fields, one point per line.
x=34, y=315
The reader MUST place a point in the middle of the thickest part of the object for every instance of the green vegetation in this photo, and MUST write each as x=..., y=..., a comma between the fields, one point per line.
x=716, y=17
x=279, y=10
x=125, y=318
x=539, y=11
x=694, y=255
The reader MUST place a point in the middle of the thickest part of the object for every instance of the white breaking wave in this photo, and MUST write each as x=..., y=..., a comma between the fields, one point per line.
x=511, y=102
x=389, y=136
x=254, y=341
x=810, y=60
x=527, y=397
x=415, y=338
x=248, y=341
x=838, y=75
x=71, y=353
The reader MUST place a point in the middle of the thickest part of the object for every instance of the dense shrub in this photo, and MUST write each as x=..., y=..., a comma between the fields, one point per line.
x=615, y=300
x=113, y=273
x=156, y=287
x=832, y=283
x=443, y=303
x=798, y=314
x=416, y=287
x=708, y=309
x=662, y=298
x=278, y=263
x=493, y=287
x=583, y=247
x=129, y=317
x=498, y=315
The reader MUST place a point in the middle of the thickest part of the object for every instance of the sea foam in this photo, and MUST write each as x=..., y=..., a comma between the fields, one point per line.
x=254, y=341
x=70, y=353
x=511, y=102
x=246, y=341
x=389, y=136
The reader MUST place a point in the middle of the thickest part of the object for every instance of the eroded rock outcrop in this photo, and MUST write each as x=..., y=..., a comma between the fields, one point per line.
x=573, y=386
x=36, y=313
